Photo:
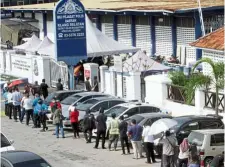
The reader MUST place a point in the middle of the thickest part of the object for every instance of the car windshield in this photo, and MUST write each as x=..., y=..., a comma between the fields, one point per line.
x=50, y=97
x=71, y=99
x=4, y=141
x=84, y=107
x=138, y=118
x=117, y=110
x=196, y=138
x=33, y=163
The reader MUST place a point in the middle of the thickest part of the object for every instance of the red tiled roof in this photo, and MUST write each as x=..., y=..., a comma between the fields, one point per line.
x=213, y=40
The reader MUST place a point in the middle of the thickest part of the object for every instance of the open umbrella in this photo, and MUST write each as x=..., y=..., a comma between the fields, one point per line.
x=162, y=125
x=15, y=83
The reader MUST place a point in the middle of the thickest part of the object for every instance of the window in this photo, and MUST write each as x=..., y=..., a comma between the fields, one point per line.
x=196, y=138
x=217, y=140
x=132, y=111
x=191, y=126
x=146, y=109
x=114, y=103
x=4, y=141
x=209, y=125
x=104, y=105
x=117, y=110
x=85, y=98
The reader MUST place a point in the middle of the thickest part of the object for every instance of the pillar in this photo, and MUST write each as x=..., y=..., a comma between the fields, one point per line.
x=199, y=99
x=152, y=24
x=198, y=34
x=33, y=15
x=115, y=30
x=112, y=81
x=133, y=30
x=45, y=24
x=102, y=77
x=71, y=77
x=134, y=86
x=174, y=36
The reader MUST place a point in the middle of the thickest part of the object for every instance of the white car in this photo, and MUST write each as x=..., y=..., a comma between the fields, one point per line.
x=210, y=142
x=6, y=144
x=128, y=110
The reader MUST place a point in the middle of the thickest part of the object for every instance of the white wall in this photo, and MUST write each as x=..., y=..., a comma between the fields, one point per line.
x=157, y=95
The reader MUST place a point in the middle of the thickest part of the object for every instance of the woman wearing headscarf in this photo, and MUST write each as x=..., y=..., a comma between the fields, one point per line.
x=183, y=154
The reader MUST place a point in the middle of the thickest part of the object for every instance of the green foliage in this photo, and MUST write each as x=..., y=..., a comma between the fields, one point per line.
x=178, y=78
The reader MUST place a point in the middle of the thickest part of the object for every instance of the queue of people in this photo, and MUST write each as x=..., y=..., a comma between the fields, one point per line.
x=36, y=110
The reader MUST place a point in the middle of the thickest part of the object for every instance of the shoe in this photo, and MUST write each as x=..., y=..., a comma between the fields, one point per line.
x=103, y=147
x=142, y=156
x=42, y=130
x=123, y=154
x=57, y=137
x=63, y=137
x=148, y=162
x=95, y=147
x=46, y=128
x=10, y=118
x=34, y=127
x=154, y=161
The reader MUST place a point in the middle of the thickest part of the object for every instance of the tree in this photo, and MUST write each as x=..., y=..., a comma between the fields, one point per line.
x=217, y=74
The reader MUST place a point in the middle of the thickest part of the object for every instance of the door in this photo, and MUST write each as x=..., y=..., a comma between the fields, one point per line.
x=216, y=145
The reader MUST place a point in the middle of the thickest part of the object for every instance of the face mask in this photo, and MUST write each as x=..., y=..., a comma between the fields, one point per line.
x=53, y=101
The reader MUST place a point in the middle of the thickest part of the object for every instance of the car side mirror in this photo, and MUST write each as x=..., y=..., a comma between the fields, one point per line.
x=11, y=141
x=125, y=116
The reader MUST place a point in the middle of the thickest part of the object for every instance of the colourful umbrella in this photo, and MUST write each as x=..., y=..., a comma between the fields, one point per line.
x=15, y=83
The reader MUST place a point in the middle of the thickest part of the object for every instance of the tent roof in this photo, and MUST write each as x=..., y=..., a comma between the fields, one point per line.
x=43, y=44
x=140, y=62
x=30, y=44
x=98, y=44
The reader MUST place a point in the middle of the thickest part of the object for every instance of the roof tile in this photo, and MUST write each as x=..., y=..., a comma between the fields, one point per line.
x=213, y=40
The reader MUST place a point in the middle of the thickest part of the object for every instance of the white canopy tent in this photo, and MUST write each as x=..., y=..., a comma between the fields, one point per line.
x=140, y=62
x=98, y=44
x=30, y=44
x=43, y=44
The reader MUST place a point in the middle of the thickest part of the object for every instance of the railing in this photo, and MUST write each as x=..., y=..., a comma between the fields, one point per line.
x=210, y=100
x=177, y=94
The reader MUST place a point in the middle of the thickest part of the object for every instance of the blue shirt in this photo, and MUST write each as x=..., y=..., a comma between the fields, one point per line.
x=135, y=132
x=35, y=102
x=5, y=97
x=16, y=97
x=40, y=108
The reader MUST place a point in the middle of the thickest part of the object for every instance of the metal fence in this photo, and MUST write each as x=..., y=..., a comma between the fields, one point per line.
x=210, y=100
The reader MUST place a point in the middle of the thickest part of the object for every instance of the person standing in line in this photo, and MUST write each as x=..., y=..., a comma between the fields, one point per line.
x=42, y=115
x=59, y=85
x=36, y=118
x=87, y=84
x=27, y=89
x=113, y=130
x=88, y=126
x=27, y=104
x=35, y=89
x=95, y=87
x=10, y=103
x=44, y=89
x=148, y=143
x=5, y=94
x=135, y=133
x=16, y=97
x=22, y=106
x=74, y=114
x=57, y=121
x=123, y=135
x=183, y=154
x=169, y=143
x=101, y=128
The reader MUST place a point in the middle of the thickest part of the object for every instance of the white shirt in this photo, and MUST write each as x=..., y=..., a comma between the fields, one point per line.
x=148, y=137
x=9, y=97
x=183, y=155
x=27, y=104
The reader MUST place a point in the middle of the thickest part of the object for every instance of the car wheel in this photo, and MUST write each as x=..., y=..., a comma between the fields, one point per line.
x=81, y=126
x=207, y=161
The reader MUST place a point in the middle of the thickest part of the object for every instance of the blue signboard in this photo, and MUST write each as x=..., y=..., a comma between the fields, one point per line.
x=70, y=31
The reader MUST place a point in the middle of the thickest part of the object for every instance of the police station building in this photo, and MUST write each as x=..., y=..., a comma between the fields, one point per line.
x=164, y=27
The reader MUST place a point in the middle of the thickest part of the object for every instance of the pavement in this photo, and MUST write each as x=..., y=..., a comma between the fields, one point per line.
x=66, y=152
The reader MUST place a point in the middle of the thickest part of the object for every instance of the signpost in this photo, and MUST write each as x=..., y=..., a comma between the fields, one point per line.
x=70, y=34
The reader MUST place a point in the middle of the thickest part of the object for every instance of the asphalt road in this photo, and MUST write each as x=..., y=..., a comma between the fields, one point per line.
x=66, y=152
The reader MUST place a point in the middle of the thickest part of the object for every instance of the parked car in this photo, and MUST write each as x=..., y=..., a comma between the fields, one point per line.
x=60, y=95
x=6, y=144
x=217, y=161
x=128, y=110
x=143, y=119
x=94, y=105
x=195, y=122
x=210, y=142
x=72, y=101
x=22, y=159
